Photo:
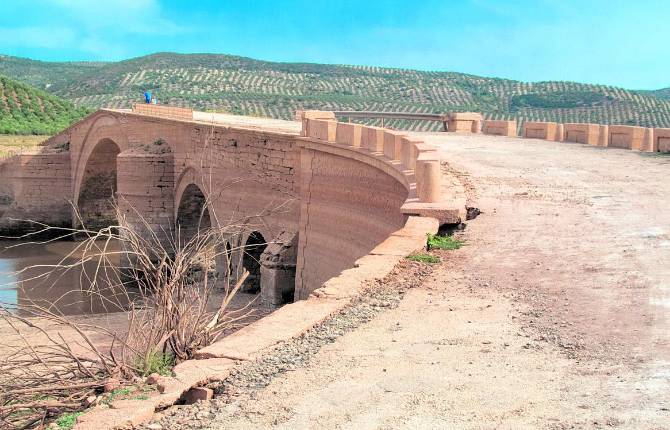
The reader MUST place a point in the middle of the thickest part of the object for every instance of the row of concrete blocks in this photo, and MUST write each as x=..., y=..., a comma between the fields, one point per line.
x=400, y=151
x=617, y=136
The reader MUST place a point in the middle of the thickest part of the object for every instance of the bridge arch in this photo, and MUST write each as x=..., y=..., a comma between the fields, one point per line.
x=103, y=126
x=254, y=246
x=192, y=212
x=98, y=185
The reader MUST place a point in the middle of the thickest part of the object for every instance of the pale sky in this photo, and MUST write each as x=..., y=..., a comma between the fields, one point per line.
x=614, y=42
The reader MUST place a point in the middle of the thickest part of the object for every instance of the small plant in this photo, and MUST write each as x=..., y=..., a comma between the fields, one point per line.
x=156, y=362
x=121, y=393
x=436, y=241
x=424, y=258
x=68, y=420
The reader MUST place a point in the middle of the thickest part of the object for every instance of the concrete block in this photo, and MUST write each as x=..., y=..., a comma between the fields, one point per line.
x=464, y=122
x=625, y=136
x=499, y=128
x=582, y=133
x=540, y=130
x=661, y=140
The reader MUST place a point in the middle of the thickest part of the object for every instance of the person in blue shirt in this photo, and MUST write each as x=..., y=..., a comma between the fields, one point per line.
x=147, y=97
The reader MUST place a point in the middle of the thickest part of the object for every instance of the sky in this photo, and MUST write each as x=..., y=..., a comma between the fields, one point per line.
x=614, y=42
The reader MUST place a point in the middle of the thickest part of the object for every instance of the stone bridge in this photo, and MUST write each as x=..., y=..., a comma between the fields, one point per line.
x=332, y=192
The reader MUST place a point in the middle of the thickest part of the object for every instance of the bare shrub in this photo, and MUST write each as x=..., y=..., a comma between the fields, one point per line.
x=175, y=303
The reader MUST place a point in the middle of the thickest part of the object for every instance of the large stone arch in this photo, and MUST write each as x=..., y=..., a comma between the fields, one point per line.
x=97, y=188
x=103, y=126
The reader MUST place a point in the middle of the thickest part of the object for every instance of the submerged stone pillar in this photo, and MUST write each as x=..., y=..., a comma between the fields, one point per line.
x=278, y=263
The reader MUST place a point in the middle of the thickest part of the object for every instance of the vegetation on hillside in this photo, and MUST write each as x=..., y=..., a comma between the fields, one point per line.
x=26, y=110
x=661, y=94
x=246, y=86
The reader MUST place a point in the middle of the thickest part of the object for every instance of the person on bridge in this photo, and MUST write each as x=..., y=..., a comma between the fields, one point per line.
x=147, y=97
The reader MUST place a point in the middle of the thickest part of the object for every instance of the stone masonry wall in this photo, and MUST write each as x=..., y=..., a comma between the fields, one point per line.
x=40, y=185
x=146, y=190
x=347, y=208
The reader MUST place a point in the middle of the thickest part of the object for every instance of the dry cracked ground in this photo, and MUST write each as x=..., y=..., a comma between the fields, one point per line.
x=555, y=315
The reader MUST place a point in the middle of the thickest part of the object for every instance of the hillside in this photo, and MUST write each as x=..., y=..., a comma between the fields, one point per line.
x=26, y=110
x=247, y=86
x=661, y=94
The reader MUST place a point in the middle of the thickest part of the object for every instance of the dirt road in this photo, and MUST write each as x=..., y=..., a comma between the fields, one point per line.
x=555, y=315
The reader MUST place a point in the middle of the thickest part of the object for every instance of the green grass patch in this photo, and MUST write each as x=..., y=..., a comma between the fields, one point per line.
x=68, y=420
x=424, y=258
x=436, y=241
x=119, y=393
x=156, y=362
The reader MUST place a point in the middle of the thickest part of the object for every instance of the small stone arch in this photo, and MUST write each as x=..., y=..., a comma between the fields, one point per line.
x=192, y=213
x=251, y=261
x=98, y=187
x=229, y=258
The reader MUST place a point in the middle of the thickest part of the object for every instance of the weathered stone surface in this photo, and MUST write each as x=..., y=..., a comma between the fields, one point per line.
x=582, y=133
x=123, y=413
x=289, y=321
x=499, y=128
x=464, y=122
x=153, y=378
x=626, y=137
x=197, y=394
x=540, y=130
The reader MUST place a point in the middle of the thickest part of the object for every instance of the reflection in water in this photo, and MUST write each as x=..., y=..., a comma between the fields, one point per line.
x=23, y=267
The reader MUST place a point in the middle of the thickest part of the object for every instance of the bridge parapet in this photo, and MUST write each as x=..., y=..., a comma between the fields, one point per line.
x=417, y=162
x=163, y=111
x=499, y=128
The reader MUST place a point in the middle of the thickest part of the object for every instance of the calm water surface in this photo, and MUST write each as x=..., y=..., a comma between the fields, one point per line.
x=61, y=290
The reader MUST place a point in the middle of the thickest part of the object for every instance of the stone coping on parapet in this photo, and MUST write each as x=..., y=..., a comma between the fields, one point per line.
x=217, y=361
x=374, y=159
x=412, y=162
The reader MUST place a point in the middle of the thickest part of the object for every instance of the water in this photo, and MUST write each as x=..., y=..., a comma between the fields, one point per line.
x=22, y=283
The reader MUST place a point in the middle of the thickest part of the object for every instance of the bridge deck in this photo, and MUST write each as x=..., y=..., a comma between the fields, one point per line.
x=241, y=121
x=267, y=124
